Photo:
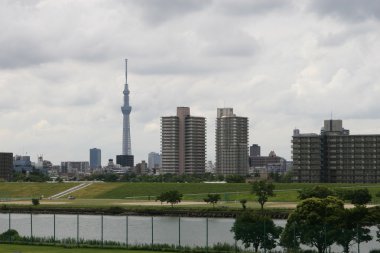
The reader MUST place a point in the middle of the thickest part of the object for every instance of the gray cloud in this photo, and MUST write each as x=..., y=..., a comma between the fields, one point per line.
x=62, y=70
x=350, y=10
x=157, y=12
x=248, y=7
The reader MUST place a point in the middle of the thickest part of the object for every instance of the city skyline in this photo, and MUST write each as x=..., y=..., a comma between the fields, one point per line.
x=282, y=64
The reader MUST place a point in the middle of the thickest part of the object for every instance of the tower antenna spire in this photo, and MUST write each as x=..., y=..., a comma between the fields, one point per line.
x=126, y=70
x=126, y=110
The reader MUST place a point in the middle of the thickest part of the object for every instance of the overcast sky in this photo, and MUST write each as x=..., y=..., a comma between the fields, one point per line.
x=281, y=63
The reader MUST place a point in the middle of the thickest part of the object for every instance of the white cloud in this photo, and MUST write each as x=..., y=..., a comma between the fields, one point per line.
x=276, y=62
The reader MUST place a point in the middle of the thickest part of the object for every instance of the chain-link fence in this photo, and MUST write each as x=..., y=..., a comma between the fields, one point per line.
x=176, y=233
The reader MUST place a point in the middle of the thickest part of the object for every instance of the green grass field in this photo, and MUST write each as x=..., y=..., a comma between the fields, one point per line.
x=112, y=193
x=32, y=190
x=285, y=192
x=6, y=248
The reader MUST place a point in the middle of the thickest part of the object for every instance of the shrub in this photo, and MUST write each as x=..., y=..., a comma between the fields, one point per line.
x=9, y=234
x=35, y=202
x=115, y=210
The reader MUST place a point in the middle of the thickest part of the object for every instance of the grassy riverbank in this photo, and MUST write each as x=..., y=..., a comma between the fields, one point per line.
x=7, y=248
x=26, y=190
x=285, y=192
x=123, y=194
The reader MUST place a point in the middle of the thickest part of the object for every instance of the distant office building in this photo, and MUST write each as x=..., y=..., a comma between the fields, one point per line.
x=125, y=160
x=254, y=150
x=43, y=166
x=154, y=161
x=74, y=168
x=22, y=164
x=6, y=166
x=231, y=143
x=335, y=156
x=95, y=158
x=141, y=168
x=210, y=167
x=183, y=143
x=268, y=164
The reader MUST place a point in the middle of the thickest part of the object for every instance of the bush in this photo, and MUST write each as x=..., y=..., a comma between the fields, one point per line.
x=235, y=179
x=116, y=210
x=321, y=192
x=9, y=234
x=35, y=202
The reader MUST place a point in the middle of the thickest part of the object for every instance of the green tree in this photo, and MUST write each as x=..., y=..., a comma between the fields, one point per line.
x=352, y=228
x=258, y=230
x=243, y=203
x=263, y=190
x=35, y=202
x=361, y=197
x=212, y=199
x=162, y=197
x=172, y=197
x=314, y=223
x=315, y=192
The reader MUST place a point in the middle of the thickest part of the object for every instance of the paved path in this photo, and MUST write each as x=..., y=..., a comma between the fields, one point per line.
x=71, y=190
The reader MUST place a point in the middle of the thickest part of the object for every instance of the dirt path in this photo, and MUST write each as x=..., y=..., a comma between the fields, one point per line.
x=158, y=203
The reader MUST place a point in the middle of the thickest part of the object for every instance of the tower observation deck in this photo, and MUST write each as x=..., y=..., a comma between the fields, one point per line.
x=126, y=110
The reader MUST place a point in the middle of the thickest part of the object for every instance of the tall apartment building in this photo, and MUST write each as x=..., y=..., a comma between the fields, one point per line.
x=183, y=143
x=335, y=156
x=231, y=143
x=95, y=158
x=6, y=166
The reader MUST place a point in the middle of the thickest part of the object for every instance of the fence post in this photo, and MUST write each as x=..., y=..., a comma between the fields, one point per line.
x=179, y=231
x=31, y=226
x=207, y=234
x=235, y=246
x=294, y=235
x=9, y=226
x=101, y=227
x=54, y=226
x=77, y=229
x=357, y=231
x=152, y=231
x=325, y=238
x=265, y=248
x=126, y=231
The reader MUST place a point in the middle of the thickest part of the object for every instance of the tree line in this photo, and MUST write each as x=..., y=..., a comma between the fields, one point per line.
x=319, y=220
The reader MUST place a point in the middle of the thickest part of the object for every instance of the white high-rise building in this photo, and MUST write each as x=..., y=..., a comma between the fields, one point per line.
x=183, y=143
x=231, y=143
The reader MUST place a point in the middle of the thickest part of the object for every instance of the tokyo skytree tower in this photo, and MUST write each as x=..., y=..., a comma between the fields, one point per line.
x=126, y=110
